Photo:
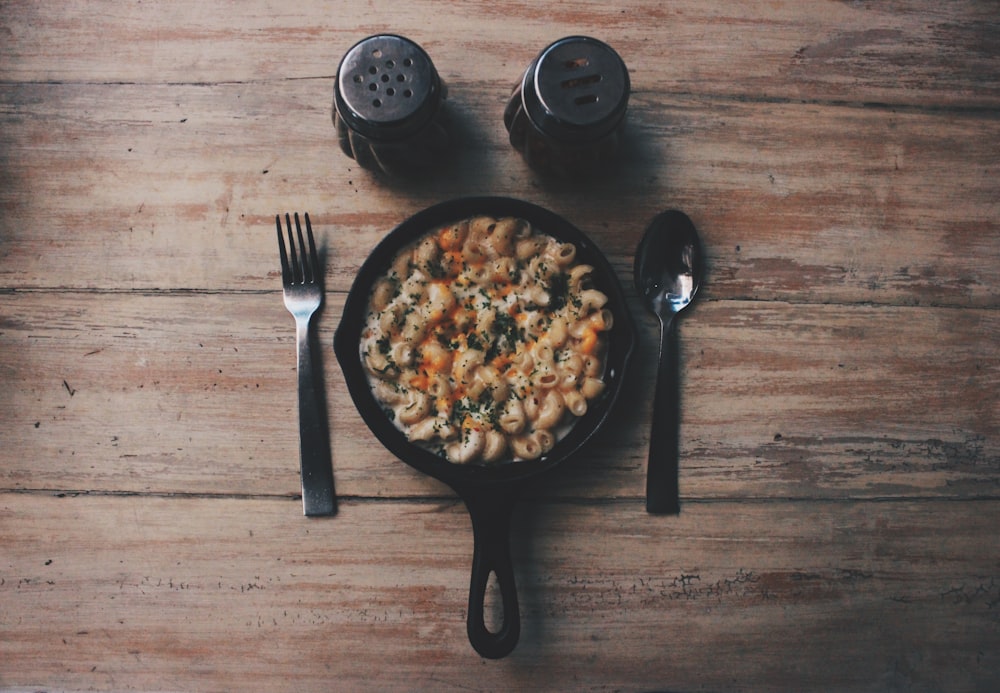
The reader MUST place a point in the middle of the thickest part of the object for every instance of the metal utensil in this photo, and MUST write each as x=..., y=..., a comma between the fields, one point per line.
x=668, y=271
x=300, y=276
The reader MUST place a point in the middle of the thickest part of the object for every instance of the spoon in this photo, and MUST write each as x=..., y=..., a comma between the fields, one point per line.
x=668, y=270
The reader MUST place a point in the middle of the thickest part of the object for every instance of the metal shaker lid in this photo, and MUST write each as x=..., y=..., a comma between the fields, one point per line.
x=577, y=89
x=387, y=87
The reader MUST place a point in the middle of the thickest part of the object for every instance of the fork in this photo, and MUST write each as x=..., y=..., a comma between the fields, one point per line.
x=300, y=277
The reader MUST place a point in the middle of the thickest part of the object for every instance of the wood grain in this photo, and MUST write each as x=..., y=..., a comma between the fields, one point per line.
x=840, y=473
x=835, y=205
x=778, y=401
x=858, y=52
x=110, y=592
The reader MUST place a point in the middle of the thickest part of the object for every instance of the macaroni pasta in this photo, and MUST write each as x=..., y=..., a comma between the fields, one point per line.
x=485, y=339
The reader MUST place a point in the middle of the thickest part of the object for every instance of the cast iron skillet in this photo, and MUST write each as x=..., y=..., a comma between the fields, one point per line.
x=489, y=492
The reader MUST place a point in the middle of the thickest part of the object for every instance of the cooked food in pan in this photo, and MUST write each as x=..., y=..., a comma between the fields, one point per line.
x=485, y=339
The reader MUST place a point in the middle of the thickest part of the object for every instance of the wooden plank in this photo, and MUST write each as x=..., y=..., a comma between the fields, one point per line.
x=109, y=593
x=168, y=393
x=836, y=205
x=899, y=52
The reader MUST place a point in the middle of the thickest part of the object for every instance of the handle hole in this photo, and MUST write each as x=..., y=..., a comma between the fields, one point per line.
x=493, y=605
x=585, y=100
x=577, y=63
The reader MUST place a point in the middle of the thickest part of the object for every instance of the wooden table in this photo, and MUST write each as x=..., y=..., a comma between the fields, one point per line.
x=840, y=436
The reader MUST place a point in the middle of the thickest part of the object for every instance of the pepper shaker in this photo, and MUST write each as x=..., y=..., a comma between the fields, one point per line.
x=567, y=113
x=387, y=106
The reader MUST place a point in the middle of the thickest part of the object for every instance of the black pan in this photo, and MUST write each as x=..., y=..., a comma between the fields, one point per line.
x=489, y=492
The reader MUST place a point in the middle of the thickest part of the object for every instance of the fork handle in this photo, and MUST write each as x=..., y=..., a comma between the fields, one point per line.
x=314, y=443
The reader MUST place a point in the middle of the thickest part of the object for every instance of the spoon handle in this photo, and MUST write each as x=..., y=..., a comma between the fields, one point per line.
x=662, y=469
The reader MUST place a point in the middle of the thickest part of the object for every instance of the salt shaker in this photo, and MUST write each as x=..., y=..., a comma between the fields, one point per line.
x=567, y=113
x=387, y=106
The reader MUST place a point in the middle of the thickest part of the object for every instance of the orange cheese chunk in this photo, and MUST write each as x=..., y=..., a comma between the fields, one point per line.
x=589, y=341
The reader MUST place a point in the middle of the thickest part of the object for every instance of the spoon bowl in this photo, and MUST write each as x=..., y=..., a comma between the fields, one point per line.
x=668, y=272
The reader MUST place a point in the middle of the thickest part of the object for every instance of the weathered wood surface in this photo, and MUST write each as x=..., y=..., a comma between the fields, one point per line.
x=853, y=52
x=802, y=202
x=841, y=394
x=780, y=400
x=728, y=596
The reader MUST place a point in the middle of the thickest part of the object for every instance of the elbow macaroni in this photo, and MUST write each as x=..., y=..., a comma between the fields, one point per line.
x=485, y=340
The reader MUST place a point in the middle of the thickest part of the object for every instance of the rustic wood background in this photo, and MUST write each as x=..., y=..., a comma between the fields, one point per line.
x=841, y=419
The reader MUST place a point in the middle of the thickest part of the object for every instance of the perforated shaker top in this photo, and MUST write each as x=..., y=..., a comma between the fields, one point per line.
x=387, y=87
x=578, y=89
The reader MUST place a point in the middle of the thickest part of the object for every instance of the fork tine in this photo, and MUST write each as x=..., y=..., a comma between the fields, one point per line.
x=286, y=271
x=303, y=253
x=296, y=273
x=313, y=256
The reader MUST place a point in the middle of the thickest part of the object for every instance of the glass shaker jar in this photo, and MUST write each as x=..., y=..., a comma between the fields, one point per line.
x=387, y=106
x=567, y=113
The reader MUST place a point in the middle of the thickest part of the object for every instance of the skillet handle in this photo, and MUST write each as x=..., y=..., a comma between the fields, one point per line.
x=491, y=511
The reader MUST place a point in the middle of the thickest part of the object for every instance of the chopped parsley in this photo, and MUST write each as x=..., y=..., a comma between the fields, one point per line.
x=558, y=290
x=507, y=334
x=436, y=270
